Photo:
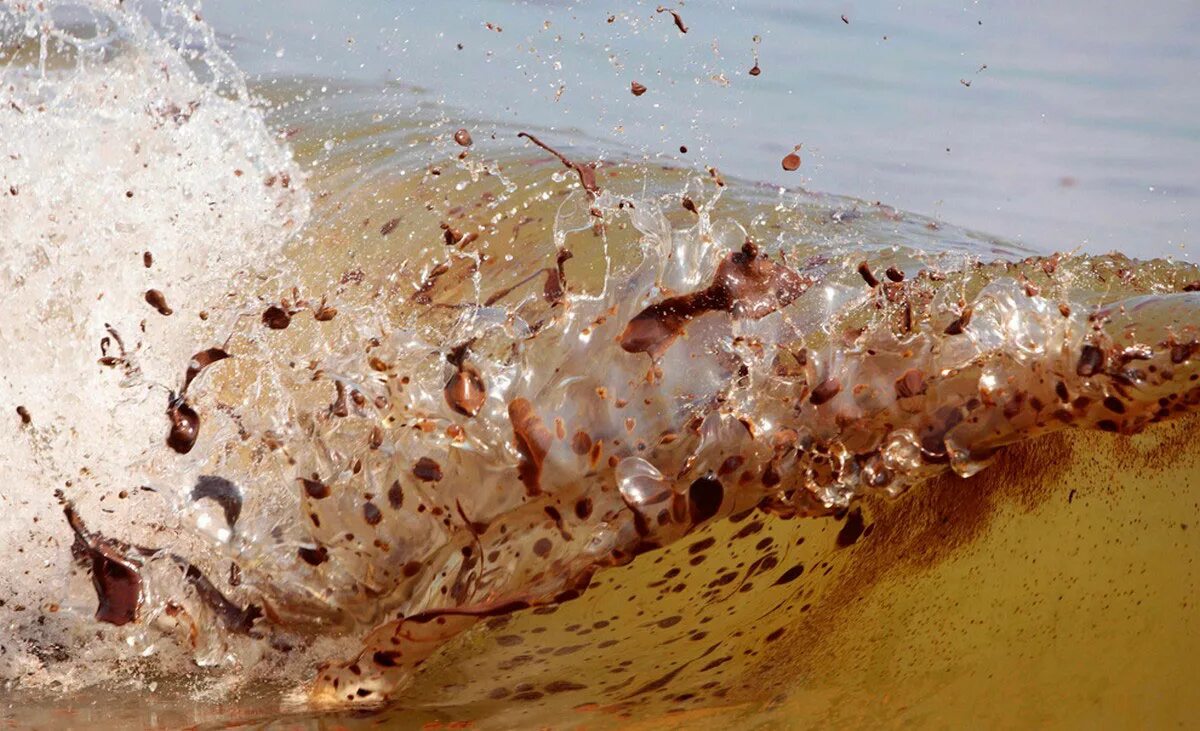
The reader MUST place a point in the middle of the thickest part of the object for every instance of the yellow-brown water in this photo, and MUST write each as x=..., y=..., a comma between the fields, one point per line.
x=1054, y=589
x=1051, y=588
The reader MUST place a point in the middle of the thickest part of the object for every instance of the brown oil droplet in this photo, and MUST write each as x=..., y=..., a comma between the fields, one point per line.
x=158, y=301
x=313, y=556
x=276, y=318
x=395, y=495
x=895, y=274
x=755, y=70
x=115, y=576
x=147, y=259
x=585, y=171
x=389, y=226
x=581, y=443
x=704, y=498
x=463, y=137
x=465, y=392
x=1091, y=361
x=825, y=391
x=199, y=362
x=958, y=326
x=791, y=161
x=24, y=414
x=427, y=470
x=315, y=489
x=185, y=426
x=533, y=441
x=324, y=313
x=864, y=271
x=371, y=513
x=746, y=284
x=637, y=89
x=912, y=383
x=674, y=16
x=852, y=530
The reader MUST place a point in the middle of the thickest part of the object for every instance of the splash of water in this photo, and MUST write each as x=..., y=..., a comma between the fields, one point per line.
x=442, y=440
x=133, y=161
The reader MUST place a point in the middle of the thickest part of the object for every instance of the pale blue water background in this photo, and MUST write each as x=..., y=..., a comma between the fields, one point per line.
x=1083, y=130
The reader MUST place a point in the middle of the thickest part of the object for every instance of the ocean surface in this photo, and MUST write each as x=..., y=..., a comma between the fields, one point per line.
x=1080, y=126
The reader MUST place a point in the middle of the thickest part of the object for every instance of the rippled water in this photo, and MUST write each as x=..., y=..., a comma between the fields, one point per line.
x=348, y=392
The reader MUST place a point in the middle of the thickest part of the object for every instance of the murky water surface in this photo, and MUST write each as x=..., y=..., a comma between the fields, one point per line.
x=360, y=378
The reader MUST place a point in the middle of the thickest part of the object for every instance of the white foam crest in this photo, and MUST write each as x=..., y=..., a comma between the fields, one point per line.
x=116, y=139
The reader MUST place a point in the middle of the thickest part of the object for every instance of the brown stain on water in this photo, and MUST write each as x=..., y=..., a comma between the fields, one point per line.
x=771, y=621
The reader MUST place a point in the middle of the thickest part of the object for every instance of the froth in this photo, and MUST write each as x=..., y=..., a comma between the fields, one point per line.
x=126, y=165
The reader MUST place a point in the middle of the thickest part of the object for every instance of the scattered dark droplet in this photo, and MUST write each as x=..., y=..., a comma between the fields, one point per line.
x=389, y=226
x=791, y=162
x=675, y=16
x=755, y=70
x=313, y=556
x=371, y=513
x=542, y=546
x=386, y=658
x=1182, y=352
x=583, y=508
x=223, y=493
x=790, y=575
x=1071, y=496
x=581, y=443
x=912, y=383
x=669, y=622
x=235, y=618
x=510, y=640
x=683, y=149
x=864, y=270
x=533, y=442
x=463, y=138
x=689, y=205
x=1192, y=286
x=115, y=576
x=637, y=89
x=585, y=171
x=324, y=313
x=465, y=392
x=846, y=20
x=705, y=496
x=147, y=259
x=776, y=634
x=958, y=326
x=395, y=495
x=158, y=301
x=427, y=470
x=746, y=284
x=825, y=391
x=198, y=363
x=1114, y=404
x=1091, y=361
x=852, y=530
x=276, y=318
x=185, y=425
x=24, y=414
x=315, y=489
x=895, y=274
x=563, y=686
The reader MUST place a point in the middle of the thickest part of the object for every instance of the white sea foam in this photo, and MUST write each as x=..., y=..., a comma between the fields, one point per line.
x=117, y=137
